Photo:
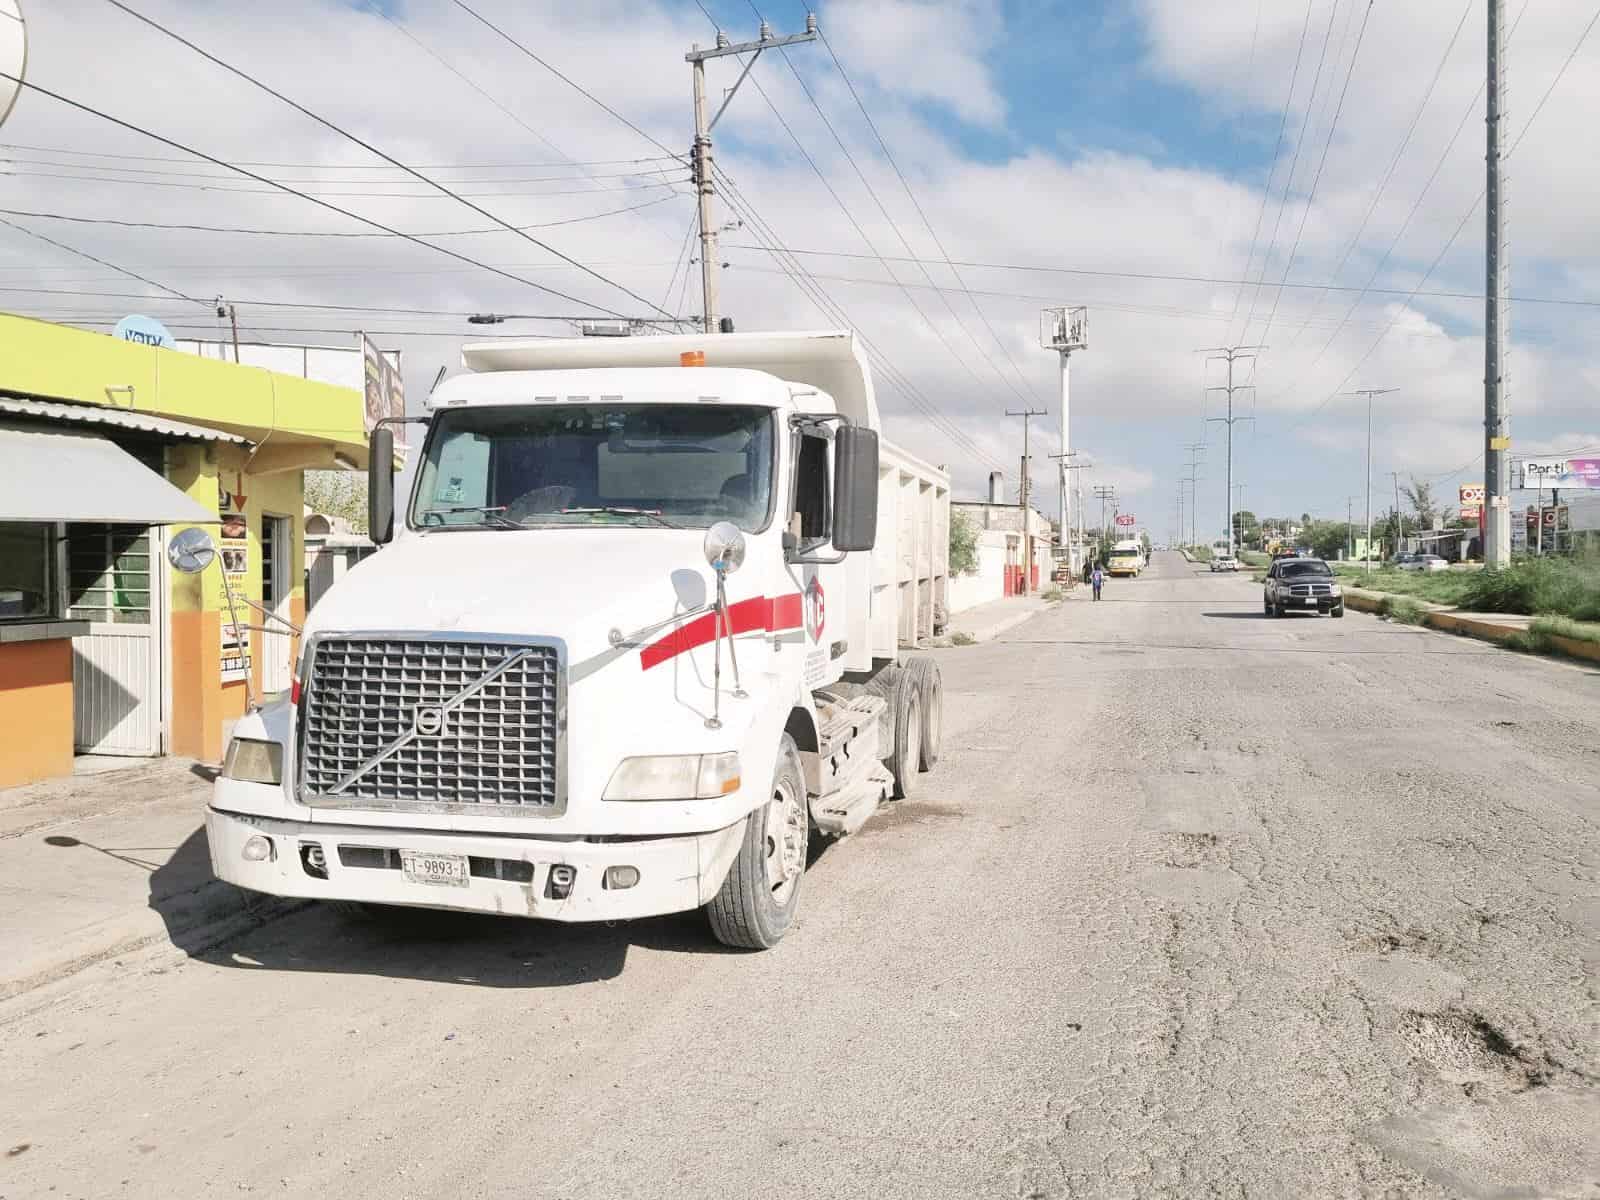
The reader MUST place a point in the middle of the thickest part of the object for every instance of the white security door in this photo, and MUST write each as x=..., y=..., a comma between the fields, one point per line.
x=277, y=583
x=116, y=670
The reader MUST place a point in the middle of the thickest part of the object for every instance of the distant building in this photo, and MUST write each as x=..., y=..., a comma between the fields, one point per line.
x=1014, y=552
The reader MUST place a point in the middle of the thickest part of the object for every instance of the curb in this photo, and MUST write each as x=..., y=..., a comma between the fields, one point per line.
x=1435, y=616
x=999, y=627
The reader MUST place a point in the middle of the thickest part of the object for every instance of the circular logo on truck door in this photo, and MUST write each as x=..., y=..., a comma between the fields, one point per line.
x=815, y=614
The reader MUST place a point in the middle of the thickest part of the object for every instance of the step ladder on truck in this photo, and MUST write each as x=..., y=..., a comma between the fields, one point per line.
x=636, y=639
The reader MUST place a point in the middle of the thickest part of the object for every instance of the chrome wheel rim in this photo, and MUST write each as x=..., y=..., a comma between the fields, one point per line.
x=784, y=841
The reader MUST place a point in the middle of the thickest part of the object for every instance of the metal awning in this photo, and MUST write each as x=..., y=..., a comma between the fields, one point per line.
x=54, y=475
x=119, y=418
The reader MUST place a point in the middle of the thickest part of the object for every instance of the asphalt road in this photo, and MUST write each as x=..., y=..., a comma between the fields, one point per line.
x=1198, y=903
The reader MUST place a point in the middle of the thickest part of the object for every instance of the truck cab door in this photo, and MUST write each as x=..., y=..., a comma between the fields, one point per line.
x=815, y=570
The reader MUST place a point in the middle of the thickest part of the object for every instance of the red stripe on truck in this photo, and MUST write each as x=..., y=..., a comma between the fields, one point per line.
x=769, y=613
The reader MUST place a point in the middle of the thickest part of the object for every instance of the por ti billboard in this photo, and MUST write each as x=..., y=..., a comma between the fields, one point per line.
x=1561, y=473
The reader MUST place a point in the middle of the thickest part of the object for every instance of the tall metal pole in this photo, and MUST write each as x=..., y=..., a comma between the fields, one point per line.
x=1230, y=355
x=1027, y=542
x=1496, y=415
x=700, y=153
x=701, y=162
x=1066, y=449
x=1369, y=393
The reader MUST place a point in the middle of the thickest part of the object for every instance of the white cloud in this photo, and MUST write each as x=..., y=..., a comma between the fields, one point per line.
x=1137, y=391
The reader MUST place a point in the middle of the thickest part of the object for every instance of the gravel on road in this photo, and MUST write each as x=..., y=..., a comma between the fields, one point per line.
x=1197, y=903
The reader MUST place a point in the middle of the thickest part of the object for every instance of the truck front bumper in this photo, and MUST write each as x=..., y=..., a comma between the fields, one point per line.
x=509, y=875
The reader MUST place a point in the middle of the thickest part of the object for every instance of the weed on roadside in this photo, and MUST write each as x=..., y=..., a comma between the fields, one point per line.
x=1051, y=595
x=958, y=638
x=1403, y=609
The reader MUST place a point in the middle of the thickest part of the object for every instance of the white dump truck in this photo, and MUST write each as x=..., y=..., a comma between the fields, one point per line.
x=637, y=638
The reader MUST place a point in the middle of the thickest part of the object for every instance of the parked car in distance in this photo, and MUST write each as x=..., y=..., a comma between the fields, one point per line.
x=1421, y=562
x=1224, y=562
x=1301, y=585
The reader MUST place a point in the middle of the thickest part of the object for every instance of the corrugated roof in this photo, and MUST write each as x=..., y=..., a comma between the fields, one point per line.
x=120, y=418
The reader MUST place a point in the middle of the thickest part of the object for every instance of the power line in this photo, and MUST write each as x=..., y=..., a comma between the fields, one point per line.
x=490, y=25
x=1277, y=149
x=1539, y=107
x=916, y=204
x=448, y=194
x=600, y=162
x=1157, y=277
x=410, y=237
x=640, y=173
x=161, y=287
x=1294, y=163
x=1316, y=179
x=832, y=311
x=371, y=149
x=315, y=233
x=1394, y=162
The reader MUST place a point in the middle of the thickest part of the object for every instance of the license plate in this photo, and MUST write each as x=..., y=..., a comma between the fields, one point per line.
x=1311, y=599
x=450, y=870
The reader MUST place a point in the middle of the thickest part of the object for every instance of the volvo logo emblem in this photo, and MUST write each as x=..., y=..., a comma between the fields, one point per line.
x=429, y=721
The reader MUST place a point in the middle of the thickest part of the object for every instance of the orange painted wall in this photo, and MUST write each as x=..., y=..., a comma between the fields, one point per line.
x=35, y=711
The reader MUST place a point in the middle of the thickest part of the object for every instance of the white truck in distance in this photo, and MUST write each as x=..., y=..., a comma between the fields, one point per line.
x=637, y=639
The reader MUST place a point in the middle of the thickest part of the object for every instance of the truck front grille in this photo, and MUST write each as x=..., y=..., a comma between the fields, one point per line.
x=1311, y=589
x=431, y=728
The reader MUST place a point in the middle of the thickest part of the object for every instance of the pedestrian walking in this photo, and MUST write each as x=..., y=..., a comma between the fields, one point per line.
x=1098, y=579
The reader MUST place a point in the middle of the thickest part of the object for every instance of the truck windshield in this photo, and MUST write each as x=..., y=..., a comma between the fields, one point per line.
x=597, y=464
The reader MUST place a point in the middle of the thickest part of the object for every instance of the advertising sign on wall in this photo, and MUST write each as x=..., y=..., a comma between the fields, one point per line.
x=1561, y=473
x=385, y=387
x=233, y=549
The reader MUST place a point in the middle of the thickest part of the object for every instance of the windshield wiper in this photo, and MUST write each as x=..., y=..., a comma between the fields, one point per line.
x=653, y=513
x=492, y=514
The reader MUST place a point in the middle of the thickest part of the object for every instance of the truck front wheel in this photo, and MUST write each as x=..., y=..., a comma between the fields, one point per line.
x=761, y=893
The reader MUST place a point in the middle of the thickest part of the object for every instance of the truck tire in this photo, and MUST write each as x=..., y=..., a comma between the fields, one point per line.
x=905, y=758
x=930, y=688
x=758, y=899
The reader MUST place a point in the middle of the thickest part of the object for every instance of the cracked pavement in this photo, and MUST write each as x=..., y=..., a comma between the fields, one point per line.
x=1197, y=903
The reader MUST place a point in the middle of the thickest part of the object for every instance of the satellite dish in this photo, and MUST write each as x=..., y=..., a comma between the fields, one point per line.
x=13, y=54
x=191, y=551
x=146, y=331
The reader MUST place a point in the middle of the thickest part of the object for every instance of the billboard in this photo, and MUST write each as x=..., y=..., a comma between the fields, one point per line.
x=1125, y=519
x=1471, y=500
x=385, y=387
x=1560, y=473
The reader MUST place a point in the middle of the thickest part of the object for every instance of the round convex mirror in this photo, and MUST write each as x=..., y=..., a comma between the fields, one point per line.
x=191, y=551
x=724, y=547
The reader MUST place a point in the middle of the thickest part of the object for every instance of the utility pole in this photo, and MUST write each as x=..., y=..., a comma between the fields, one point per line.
x=1238, y=507
x=1022, y=492
x=1026, y=414
x=1349, y=529
x=1497, y=283
x=1064, y=330
x=1066, y=538
x=1195, y=449
x=700, y=154
x=1104, y=492
x=1400, y=521
x=1230, y=355
x=1369, y=393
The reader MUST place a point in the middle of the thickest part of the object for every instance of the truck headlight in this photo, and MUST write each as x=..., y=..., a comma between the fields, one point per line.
x=675, y=777
x=253, y=761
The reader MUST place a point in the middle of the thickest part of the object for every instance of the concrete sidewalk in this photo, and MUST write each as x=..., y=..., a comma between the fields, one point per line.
x=105, y=864
x=984, y=622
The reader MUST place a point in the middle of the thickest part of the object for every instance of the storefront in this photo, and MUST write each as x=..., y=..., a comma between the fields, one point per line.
x=110, y=448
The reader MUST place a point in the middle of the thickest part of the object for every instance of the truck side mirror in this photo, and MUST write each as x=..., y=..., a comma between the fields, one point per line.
x=380, y=485
x=855, y=488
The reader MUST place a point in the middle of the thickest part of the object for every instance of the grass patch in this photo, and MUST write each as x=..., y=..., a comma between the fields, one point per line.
x=1404, y=609
x=1576, y=631
x=958, y=638
x=1200, y=553
x=1051, y=595
x=1541, y=586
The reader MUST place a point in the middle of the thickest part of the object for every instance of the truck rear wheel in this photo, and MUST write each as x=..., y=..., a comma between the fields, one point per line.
x=759, y=897
x=930, y=689
x=905, y=701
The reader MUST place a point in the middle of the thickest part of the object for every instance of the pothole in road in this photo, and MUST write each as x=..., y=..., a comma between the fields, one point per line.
x=1467, y=1048
x=1188, y=850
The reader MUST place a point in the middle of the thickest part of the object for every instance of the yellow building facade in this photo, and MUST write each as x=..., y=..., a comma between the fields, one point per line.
x=103, y=647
